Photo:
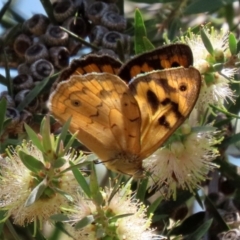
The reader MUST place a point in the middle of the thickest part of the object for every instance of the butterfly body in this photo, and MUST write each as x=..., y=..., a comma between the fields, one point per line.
x=124, y=123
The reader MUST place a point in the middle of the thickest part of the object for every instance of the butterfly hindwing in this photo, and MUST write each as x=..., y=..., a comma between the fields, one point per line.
x=168, y=56
x=89, y=64
x=165, y=99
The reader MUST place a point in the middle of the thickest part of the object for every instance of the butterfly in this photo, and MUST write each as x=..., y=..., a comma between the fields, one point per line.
x=124, y=113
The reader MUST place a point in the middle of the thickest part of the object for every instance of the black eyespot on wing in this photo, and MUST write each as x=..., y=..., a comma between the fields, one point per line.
x=183, y=87
x=76, y=103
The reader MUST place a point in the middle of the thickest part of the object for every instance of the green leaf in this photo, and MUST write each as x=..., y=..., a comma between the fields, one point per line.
x=238, y=46
x=154, y=1
x=84, y=222
x=211, y=208
x=17, y=16
x=13, y=33
x=95, y=190
x=70, y=142
x=142, y=188
x=190, y=224
x=3, y=218
x=63, y=134
x=7, y=73
x=59, y=217
x=81, y=180
x=65, y=194
x=36, y=193
x=4, y=8
x=231, y=140
x=198, y=199
x=202, y=6
x=30, y=162
x=206, y=41
x=148, y=45
x=33, y=137
x=116, y=217
x=47, y=5
x=58, y=163
x=139, y=33
x=59, y=227
x=200, y=232
x=120, y=50
x=46, y=136
x=153, y=206
x=3, y=80
x=33, y=94
x=115, y=188
x=3, y=107
x=232, y=41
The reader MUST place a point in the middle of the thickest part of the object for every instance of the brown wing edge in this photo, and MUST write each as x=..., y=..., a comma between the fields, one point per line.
x=150, y=58
x=90, y=59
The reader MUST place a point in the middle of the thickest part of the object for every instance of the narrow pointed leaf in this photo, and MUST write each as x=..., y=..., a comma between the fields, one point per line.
x=153, y=206
x=58, y=163
x=30, y=162
x=13, y=33
x=216, y=214
x=36, y=193
x=3, y=106
x=33, y=94
x=3, y=80
x=7, y=73
x=34, y=137
x=201, y=231
x=206, y=41
x=70, y=142
x=59, y=217
x=232, y=41
x=139, y=32
x=148, y=45
x=4, y=8
x=46, y=135
x=63, y=134
x=81, y=180
x=120, y=216
x=94, y=186
x=115, y=188
x=47, y=5
x=238, y=46
x=84, y=222
x=65, y=194
x=142, y=188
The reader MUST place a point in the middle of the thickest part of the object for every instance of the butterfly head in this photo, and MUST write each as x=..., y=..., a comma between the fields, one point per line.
x=126, y=163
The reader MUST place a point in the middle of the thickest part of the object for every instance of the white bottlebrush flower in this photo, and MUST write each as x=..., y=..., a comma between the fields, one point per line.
x=217, y=93
x=216, y=83
x=17, y=182
x=183, y=164
x=218, y=40
x=105, y=220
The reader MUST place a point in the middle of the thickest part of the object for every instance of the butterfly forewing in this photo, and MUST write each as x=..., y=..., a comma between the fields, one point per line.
x=103, y=110
x=169, y=56
x=165, y=99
